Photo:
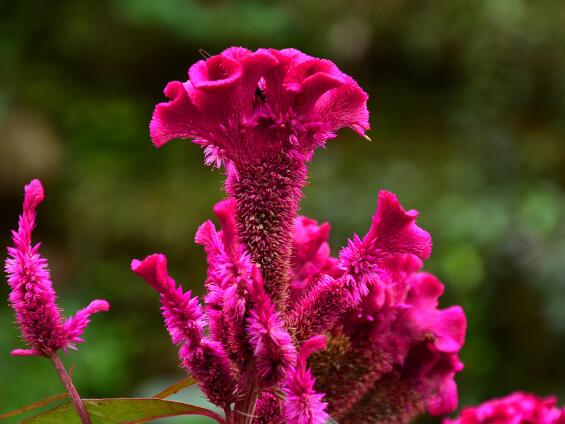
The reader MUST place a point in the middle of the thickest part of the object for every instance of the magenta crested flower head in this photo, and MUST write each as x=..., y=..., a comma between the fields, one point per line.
x=32, y=295
x=518, y=407
x=243, y=106
x=262, y=114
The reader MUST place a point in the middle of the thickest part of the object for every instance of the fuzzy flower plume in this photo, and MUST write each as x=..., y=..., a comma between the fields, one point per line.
x=262, y=114
x=32, y=295
x=303, y=405
x=273, y=347
x=515, y=408
x=204, y=358
x=229, y=276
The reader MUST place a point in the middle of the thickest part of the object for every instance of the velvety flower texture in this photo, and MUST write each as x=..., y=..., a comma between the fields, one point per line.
x=515, y=408
x=32, y=295
x=391, y=353
x=303, y=404
x=274, y=294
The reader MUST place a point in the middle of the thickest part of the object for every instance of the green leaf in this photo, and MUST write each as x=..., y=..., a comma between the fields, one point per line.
x=120, y=411
x=34, y=405
x=175, y=388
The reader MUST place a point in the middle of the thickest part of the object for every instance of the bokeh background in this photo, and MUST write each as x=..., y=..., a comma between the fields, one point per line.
x=467, y=102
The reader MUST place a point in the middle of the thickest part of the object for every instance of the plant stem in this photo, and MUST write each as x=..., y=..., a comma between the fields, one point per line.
x=73, y=394
x=244, y=409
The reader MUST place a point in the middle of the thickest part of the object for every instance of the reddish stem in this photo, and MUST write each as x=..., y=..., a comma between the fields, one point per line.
x=244, y=411
x=73, y=394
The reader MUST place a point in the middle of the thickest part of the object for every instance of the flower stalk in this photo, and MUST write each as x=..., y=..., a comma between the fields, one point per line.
x=71, y=390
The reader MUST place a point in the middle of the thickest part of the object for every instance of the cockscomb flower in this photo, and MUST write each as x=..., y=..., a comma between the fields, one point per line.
x=273, y=288
x=261, y=114
x=518, y=407
x=32, y=295
x=303, y=405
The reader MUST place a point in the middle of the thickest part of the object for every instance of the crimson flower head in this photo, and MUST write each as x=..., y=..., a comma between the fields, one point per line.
x=518, y=407
x=32, y=295
x=242, y=106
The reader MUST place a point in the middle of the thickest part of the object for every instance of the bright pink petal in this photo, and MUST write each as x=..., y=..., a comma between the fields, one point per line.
x=75, y=325
x=177, y=118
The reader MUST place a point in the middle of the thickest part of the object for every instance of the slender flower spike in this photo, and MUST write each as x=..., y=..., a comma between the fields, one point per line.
x=32, y=295
x=182, y=313
x=273, y=348
x=204, y=358
x=262, y=114
x=515, y=408
x=303, y=405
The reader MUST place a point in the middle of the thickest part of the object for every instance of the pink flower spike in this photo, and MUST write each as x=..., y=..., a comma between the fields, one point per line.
x=213, y=370
x=182, y=313
x=228, y=278
x=184, y=319
x=25, y=352
x=225, y=211
x=273, y=348
x=32, y=295
x=318, y=310
x=302, y=404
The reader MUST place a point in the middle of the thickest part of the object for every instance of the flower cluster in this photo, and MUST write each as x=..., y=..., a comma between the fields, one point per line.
x=517, y=407
x=286, y=332
x=32, y=296
x=380, y=349
x=392, y=353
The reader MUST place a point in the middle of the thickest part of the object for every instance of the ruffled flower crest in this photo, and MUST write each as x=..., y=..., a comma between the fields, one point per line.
x=242, y=104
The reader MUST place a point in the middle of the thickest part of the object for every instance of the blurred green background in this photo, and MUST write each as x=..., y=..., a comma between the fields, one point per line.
x=467, y=102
